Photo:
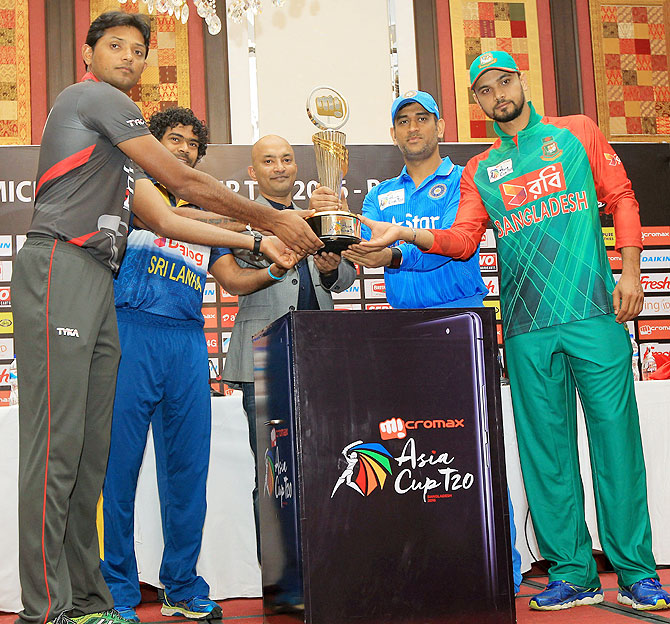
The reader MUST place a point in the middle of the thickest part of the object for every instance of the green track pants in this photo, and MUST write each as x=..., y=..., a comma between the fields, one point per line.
x=545, y=366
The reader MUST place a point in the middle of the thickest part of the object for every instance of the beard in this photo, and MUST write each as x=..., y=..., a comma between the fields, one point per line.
x=517, y=108
x=419, y=154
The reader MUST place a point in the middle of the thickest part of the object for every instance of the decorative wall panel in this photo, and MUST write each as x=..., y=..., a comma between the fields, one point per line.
x=165, y=82
x=15, y=126
x=478, y=27
x=630, y=56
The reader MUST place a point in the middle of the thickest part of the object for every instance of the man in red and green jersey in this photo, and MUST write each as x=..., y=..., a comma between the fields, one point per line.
x=540, y=184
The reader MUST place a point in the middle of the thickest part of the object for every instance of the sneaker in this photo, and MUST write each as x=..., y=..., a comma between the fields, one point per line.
x=111, y=616
x=645, y=595
x=127, y=613
x=61, y=618
x=196, y=608
x=563, y=595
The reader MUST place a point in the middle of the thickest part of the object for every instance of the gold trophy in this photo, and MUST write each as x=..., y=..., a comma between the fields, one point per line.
x=328, y=111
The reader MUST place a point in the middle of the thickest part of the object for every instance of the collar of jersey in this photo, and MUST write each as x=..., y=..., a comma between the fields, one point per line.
x=443, y=170
x=166, y=194
x=89, y=76
x=533, y=121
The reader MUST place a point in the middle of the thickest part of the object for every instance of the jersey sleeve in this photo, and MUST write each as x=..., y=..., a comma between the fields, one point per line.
x=370, y=210
x=462, y=238
x=611, y=181
x=216, y=253
x=110, y=112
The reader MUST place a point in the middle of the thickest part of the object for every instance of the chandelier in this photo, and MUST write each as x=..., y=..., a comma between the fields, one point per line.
x=179, y=8
x=238, y=8
x=206, y=9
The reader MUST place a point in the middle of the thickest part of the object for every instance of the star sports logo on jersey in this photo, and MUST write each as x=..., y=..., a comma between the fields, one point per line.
x=532, y=186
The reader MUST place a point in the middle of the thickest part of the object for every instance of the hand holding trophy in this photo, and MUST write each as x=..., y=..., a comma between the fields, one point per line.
x=328, y=111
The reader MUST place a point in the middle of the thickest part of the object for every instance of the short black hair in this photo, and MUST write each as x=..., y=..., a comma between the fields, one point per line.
x=111, y=19
x=163, y=120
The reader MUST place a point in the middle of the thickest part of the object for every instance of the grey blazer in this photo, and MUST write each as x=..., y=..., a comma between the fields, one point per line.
x=259, y=309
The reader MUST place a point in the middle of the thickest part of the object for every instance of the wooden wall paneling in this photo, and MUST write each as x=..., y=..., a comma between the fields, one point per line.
x=547, y=58
x=586, y=61
x=196, y=67
x=446, y=61
x=567, y=67
x=217, y=87
x=38, y=71
x=61, y=50
x=427, y=48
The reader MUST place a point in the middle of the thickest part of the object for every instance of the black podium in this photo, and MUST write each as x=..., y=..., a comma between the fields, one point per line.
x=381, y=469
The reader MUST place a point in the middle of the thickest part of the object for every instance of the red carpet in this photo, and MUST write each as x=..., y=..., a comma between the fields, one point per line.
x=250, y=610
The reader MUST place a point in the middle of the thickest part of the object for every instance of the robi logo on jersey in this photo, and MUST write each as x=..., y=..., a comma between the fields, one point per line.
x=532, y=186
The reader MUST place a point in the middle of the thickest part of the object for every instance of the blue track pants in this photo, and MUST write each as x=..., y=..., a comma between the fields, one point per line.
x=163, y=380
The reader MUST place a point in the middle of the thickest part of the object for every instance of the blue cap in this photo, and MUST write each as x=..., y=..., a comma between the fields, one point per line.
x=420, y=97
x=497, y=59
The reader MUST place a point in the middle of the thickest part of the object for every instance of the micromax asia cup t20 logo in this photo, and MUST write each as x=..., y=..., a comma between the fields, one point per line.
x=369, y=466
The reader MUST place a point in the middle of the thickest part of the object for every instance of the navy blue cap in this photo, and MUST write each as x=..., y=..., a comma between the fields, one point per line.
x=420, y=97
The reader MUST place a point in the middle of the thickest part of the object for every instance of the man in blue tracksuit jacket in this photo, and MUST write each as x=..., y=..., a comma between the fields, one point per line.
x=425, y=195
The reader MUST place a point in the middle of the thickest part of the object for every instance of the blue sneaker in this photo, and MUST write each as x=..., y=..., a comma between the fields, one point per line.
x=196, y=608
x=563, y=595
x=127, y=613
x=645, y=595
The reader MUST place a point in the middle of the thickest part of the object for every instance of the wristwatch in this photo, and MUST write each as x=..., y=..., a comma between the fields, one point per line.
x=396, y=258
x=258, y=237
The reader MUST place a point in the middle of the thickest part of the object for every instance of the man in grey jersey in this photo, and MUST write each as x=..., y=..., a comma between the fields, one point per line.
x=94, y=147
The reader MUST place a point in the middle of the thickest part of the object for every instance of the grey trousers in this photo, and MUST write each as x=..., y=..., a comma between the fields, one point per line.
x=67, y=350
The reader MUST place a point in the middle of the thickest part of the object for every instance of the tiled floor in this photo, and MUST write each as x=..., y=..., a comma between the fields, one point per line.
x=607, y=612
x=250, y=610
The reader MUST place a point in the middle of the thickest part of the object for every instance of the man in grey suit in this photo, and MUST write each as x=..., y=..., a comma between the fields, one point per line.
x=268, y=293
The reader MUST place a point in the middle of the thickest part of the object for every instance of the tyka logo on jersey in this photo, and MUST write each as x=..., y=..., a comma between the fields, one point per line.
x=68, y=331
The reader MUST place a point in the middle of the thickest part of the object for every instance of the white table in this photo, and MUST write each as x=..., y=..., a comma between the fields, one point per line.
x=653, y=398
x=228, y=557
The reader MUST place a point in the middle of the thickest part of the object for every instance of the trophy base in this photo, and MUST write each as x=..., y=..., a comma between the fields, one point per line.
x=337, y=229
x=337, y=244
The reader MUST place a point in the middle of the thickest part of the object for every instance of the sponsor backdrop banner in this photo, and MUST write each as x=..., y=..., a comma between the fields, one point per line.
x=646, y=165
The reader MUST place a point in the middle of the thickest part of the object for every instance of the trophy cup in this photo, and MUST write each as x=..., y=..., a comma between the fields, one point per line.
x=328, y=111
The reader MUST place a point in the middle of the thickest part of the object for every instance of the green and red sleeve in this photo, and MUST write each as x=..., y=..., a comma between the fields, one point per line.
x=609, y=176
x=463, y=237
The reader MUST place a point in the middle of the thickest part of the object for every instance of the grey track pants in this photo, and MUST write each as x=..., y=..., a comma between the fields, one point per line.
x=67, y=349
